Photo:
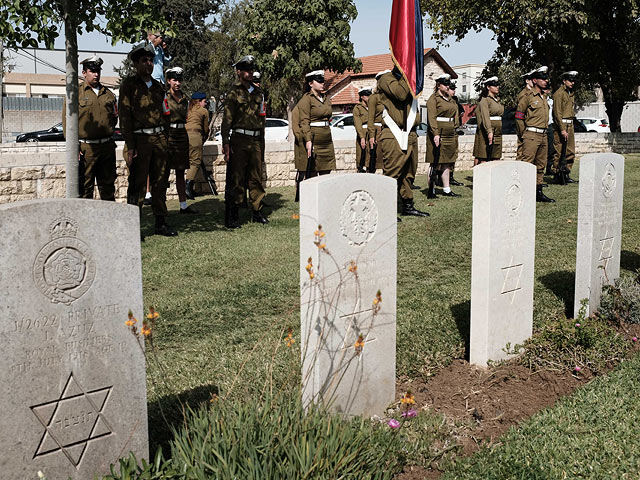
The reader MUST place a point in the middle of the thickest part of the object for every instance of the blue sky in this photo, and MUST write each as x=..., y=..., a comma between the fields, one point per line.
x=369, y=34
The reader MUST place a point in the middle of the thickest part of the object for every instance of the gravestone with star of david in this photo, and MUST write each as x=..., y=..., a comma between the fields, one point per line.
x=74, y=389
x=348, y=231
x=599, y=227
x=502, y=258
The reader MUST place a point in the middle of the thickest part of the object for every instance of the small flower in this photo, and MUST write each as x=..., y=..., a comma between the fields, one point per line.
x=152, y=315
x=295, y=216
x=577, y=369
x=321, y=234
x=309, y=268
x=146, y=329
x=407, y=399
x=634, y=339
x=410, y=413
x=393, y=423
x=353, y=268
x=289, y=340
x=376, y=302
x=577, y=325
x=359, y=345
x=214, y=398
x=40, y=474
x=311, y=275
x=322, y=246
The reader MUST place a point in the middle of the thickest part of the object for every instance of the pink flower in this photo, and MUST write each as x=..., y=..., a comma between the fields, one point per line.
x=577, y=369
x=410, y=413
x=393, y=423
x=634, y=339
x=577, y=325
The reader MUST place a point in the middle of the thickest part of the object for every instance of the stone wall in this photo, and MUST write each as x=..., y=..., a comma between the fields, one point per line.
x=16, y=122
x=29, y=171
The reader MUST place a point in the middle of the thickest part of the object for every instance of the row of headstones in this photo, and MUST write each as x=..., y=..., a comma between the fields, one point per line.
x=74, y=396
x=348, y=272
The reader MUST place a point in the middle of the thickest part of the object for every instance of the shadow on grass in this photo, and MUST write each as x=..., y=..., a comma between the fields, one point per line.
x=462, y=315
x=629, y=261
x=159, y=432
x=562, y=284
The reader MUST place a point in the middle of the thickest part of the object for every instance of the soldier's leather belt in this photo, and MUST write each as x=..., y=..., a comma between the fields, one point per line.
x=149, y=131
x=364, y=125
x=378, y=124
x=537, y=130
x=95, y=140
x=177, y=125
x=243, y=131
x=319, y=124
x=495, y=118
x=567, y=120
x=444, y=119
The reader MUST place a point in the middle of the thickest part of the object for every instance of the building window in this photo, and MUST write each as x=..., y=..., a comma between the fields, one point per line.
x=464, y=89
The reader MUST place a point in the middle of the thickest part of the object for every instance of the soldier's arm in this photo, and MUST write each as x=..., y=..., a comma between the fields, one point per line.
x=520, y=113
x=125, y=108
x=230, y=104
x=484, y=115
x=371, y=120
x=304, y=109
x=205, y=123
x=432, y=115
x=398, y=89
x=558, y=107
x=357, y=121
x=113, y=114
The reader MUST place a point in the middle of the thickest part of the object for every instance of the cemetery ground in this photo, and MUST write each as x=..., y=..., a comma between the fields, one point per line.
x=228, y=300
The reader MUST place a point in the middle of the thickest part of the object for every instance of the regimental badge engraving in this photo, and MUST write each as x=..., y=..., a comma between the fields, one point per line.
x=609, y=181
x=72, y=421
x=64, y=268
x=358, y=218
x=513, y=196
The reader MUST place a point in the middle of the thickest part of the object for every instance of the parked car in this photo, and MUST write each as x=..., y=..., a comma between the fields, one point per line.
x=342, y=127
x=593, y=124
x=54, y=134
x=470, y=127
x=276, y=130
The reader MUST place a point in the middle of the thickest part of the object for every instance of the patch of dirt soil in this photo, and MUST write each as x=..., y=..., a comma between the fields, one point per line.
x=490, y=401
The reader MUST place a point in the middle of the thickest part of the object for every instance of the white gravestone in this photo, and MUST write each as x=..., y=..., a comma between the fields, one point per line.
x=73, y=397
x=348, y=338
x=502, y=258
x=599, y=227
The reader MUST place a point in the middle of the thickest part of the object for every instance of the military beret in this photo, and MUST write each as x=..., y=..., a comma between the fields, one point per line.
x=248, y=62
x=174, y=72
x=444, y=79
x=142, y=49
x=198, y=96
x=93, y=63
x=570, y=75
x=364, y=92
x=491, y=82
x=257, y=76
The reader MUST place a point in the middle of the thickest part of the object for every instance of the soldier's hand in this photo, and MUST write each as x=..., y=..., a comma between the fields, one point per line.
x=436, y=140
x=372, y=143
x=226, y=149
x=363, y=143
x=131, y=154
x=309, y=147
x=490, y=138
x=565, y=135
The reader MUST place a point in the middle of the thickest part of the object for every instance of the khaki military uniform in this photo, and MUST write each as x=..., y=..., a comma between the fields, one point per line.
x=97, y=118
x=563, y=113
x=178, y=138
x=443, y=118
x=299, y=150
x=198, y=132
x=395, y=97
x=532, y=120
x=489, y=114
x=360, y=119
x=524, y=92
x=144, y=122
x=374, y=125
x=314, y=122
x=242, y=125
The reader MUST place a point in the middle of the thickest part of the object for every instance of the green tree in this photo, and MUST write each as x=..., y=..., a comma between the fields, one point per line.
x=292, y=37
x=600, y=40
x=30, y=22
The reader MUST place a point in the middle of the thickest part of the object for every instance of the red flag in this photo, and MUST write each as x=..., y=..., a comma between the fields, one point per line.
x=406, y=42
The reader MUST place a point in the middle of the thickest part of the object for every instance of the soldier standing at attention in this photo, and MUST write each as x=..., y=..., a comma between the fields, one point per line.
x=452, y=94
x=488, y=140
x=242, y=125
x=178, y=138
x=525, y=91
x=97, y=118
x=360, y=119
x=563, y=113
x=374, y=123
x=144, y=121
x=532, y=120
x=197, y=131
x=299, y=150
x=398, y=138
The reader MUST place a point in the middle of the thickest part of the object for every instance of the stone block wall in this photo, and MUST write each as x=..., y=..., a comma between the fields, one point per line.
x=29, y=171
x=16, y=122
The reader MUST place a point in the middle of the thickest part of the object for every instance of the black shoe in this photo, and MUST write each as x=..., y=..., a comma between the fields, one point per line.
x=450, y=194
x=455, y=183
x=231, y=217
x=259, y=218
x=568, y=179
x=432, y=193
x=409, y=209
x=399, y=220
x=191, y=194
x=147, y=201
x=141, y=237
x=544, y=185
x=558, y=178
x=166, y=230
x=188, y=210
x=541, y=197
x=415, y=187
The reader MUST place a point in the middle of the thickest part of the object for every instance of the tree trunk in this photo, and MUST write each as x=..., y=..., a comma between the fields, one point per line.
x=71, y=133
x=614, y=109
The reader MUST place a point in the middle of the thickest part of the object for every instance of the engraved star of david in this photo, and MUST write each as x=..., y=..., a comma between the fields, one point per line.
x=511, y=283
x=72, y=421
x=606, y=249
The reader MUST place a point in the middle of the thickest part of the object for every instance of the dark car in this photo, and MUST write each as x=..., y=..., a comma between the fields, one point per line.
x=53, y=134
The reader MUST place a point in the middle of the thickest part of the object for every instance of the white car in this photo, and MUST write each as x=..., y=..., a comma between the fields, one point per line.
x=276, y=130
x=342, y=127
x=593, y=124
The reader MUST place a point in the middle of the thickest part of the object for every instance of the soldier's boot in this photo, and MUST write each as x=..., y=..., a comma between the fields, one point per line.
x=231, y=216
x=409, y=209
x=559, y=179
x=454, y=182
x=190, y=193
x=567, y=178
x=450, y=194
x=541, y=197
x=163, y=229
x=259, y=218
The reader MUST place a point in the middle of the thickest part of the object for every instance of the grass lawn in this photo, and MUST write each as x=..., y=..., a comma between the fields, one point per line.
x=227, y=297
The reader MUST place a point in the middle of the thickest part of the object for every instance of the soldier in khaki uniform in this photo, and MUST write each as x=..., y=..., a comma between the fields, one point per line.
x=563, y=114
x=524, y=92
x=488, y=140
x=97, y=118
x=400, y=118
x=242, y=125
x=299, y=150
x=360, y=119
x=144, y=121
x=178, y=139
x=198, y=132
x=374, y=123
x=532, y=120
